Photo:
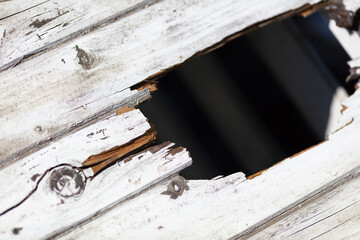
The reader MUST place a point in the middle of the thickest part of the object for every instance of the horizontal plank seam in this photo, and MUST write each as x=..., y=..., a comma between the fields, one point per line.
x=330, y=229
x=13, y=14
x=125, y=199
x=237, y=34
x=82, y=31
x=329, y=216
x=325, y=188
x=131, y=101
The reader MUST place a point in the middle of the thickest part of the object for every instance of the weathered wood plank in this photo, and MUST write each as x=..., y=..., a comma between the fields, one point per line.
x=84, y=76
x=72, y=150
x=40, y=25
x=111, y=187
x=329, y=216
x=53, y=179
x=232, y=206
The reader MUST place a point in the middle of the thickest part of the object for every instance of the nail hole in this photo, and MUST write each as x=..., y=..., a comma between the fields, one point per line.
x=38, y=128
x=16, y=230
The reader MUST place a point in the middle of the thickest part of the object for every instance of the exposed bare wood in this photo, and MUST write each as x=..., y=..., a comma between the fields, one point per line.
x=56, y=178
x=81, y=199
x=68, y=160
x=234, y=206
x=101, y=161
x=61, y=92
x=72, y=150
x=37, y=130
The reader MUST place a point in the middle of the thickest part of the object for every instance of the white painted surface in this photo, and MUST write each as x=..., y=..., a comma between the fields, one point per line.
x=59, y=92
x=45, y=213
x=32, y=26
x=73, y=150
x=231, y=206
x=332, y=216
x=125, y=53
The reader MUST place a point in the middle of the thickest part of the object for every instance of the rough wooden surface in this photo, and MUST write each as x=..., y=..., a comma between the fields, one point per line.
x=52, y=103
x=68, y=85
x=54, y=179
x=38, y=25
x=334, y=215
x=73, y=150
x=233, y=206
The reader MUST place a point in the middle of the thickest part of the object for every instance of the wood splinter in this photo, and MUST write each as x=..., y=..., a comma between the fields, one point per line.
x=100, y=161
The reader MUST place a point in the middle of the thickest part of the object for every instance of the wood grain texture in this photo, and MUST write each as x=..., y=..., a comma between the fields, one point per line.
x=87, y=78
x=330, y=216
x=67, y=85
x=53, y=180
x=157, y=215
x=13, y=7
x=351, y=5
x=233, y=206
x=33, y=26
x=28, y=130
x=72, y=150
x=111, y=187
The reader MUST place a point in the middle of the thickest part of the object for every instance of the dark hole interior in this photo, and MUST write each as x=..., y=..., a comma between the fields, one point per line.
x=253, y=102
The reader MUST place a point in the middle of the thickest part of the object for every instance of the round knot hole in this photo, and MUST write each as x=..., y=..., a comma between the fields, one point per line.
x=67, y=182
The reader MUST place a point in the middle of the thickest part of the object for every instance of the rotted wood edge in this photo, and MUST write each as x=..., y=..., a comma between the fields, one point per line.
x=134, y=100
x=142, y=94
x=105, y=159
x=304, y=11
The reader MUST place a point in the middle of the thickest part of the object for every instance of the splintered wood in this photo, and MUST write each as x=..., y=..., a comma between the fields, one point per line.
x=79, y=161
x=67, y=190
x=89, y=76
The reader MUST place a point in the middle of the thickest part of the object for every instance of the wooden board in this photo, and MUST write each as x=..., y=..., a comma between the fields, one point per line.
x=233, y=206
x=50, y=112
x=57, y=181
x=73, y=150
x=70, y=84
x=333, y=215
x=34, y=26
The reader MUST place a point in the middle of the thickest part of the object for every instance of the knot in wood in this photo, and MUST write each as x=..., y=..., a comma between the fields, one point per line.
x=67, y=182
x=176, y=187
x=86, y=60
x=39, y=129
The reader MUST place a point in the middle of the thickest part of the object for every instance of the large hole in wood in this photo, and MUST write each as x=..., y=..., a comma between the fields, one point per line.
x=254, y=101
